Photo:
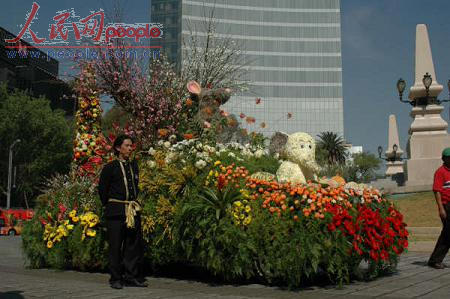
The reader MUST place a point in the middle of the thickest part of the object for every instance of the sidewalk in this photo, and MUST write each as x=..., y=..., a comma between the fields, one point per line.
x=414, y=279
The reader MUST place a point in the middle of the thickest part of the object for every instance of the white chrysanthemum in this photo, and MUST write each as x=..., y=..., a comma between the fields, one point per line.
x=259, y=153
x=167, y=144
x=170, y=157
x=151, y=151
x=160, y=142
x=151, y=164
x=200, y=164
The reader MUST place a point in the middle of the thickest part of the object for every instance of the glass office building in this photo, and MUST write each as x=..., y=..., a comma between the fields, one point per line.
x=293, y=52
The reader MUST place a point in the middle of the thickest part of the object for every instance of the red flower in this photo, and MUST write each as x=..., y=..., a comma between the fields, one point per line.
x=62, y=208
x=374, y=255
x=384, y=255
x=331, y=227
x=221, y=182
x=96, y=160
x=87, y=167
x=43, y=221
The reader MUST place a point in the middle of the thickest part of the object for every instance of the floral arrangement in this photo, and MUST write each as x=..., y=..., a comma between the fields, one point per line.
x=90, y=146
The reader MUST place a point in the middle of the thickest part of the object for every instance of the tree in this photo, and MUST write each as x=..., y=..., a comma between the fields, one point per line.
x=334, y=146
x=212, y=60
x=46, y=141
x=363, y=168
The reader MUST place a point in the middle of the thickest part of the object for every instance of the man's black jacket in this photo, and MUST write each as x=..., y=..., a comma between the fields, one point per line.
x=111, y=185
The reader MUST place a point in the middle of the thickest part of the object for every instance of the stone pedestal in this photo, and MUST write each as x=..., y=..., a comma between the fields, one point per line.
x=428, y=132
x=394, y=168
x=425, y=157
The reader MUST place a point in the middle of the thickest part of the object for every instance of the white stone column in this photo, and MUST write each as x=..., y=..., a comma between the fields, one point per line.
x=395, y=166
x=428, y=132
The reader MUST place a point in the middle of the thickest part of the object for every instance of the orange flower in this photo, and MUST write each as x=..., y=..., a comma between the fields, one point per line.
x=250, y=120
x=163, y=132
x=188, y=136
x=189, y=102
x=208, y=110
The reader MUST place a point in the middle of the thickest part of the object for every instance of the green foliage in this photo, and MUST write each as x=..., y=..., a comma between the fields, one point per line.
x=334, y=146
x=293, y=252
x=71, y=252
x=46, y=140
x=89, y=254
x=208, y=236
x=363, y=167
x=33, y=246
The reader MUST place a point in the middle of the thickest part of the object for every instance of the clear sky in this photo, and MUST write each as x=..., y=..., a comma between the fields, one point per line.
x=377, y=49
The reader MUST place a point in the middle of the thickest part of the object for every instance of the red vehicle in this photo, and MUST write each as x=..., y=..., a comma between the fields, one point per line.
x=11, y=220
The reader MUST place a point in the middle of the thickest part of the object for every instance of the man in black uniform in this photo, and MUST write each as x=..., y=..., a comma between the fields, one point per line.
x=118, y=189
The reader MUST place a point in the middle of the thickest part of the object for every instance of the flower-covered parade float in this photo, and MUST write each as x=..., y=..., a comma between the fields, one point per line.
x=237, y=211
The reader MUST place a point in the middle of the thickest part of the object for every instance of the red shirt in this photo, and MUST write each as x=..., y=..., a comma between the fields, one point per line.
x=442, y=183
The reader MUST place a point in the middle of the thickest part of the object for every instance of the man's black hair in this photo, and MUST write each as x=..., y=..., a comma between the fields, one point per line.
x=118, y=142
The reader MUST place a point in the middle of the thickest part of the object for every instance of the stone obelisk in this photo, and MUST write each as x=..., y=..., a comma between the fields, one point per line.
x=394, y=166
x=428, y=132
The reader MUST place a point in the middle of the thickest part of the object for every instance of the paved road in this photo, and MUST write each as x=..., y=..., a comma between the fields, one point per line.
x=413, y=280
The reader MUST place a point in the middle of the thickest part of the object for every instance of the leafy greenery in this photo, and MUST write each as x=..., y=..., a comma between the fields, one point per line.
x=334, y=147
x=363, y=167
x=46, y=141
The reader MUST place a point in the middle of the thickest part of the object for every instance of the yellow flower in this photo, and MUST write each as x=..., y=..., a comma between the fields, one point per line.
x=49, y=244
x=242, y=216
x=70, y=226
x=72, y=213
x=91, y=233
x=237, y=203
x=217, y=163
x=216, y=174
x=248, y=209
x=210, y=173
x=247, y=220
x=75, y=219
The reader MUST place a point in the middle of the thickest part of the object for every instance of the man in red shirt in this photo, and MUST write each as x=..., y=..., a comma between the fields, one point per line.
x=441, y=189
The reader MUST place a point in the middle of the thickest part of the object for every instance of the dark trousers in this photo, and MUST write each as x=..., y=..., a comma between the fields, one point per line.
x=125, y=249
x=443, y=243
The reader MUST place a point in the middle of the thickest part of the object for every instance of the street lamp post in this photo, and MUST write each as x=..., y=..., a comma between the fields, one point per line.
x=393, y=158
x=8, y=193
x=423, y=101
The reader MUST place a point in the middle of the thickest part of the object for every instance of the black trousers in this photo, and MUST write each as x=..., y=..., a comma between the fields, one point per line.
x=125, y=249
x=443, y=243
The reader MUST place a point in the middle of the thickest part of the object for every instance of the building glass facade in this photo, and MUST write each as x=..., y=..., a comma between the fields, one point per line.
x=292, y=49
